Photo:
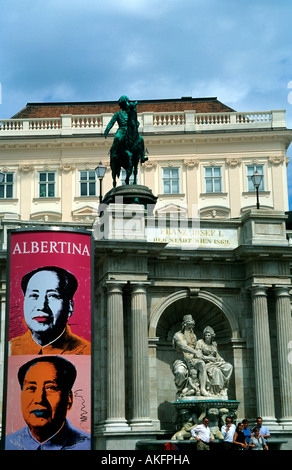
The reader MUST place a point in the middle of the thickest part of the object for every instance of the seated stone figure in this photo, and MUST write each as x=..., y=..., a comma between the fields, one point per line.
x=188, y=365
x=218, y=370
x=199, y=371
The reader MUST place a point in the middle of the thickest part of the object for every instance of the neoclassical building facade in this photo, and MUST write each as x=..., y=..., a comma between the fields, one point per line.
x=201, y=152
x=204, y=249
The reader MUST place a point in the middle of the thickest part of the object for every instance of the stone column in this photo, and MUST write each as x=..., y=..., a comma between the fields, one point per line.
x=239, y=346
x=284, y=337
x=262, y=356
x=115, y=358
x=140, y=358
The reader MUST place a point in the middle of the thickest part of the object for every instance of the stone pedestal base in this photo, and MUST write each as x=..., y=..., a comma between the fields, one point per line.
x=130, y=194
x=192, y=410
x=123, y=213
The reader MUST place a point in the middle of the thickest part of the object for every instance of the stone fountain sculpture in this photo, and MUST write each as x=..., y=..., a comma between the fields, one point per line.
x=202, y=378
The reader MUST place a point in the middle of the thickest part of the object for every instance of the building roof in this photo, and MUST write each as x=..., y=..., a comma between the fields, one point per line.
x=51, y=110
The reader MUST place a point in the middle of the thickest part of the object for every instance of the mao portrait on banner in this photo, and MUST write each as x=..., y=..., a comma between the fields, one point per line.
x=48, y=355
x=50, y=298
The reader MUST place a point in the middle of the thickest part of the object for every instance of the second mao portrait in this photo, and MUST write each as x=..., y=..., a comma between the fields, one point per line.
x=49, y=403
x=50, y=305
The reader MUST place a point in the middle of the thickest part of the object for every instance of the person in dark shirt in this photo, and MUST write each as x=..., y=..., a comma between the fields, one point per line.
x=239, y=438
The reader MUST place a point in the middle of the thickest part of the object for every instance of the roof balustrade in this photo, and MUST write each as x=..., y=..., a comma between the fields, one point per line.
x=150, y=122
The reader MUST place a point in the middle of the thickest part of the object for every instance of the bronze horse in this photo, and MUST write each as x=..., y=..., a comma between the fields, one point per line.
x=128, y=146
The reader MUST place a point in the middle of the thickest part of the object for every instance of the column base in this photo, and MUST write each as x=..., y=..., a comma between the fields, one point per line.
x=270, y=422
x=115, y=425
x=140, y=424
x=286, y=422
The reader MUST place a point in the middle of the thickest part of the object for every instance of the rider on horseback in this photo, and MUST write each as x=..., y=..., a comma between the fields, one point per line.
x=128, y=146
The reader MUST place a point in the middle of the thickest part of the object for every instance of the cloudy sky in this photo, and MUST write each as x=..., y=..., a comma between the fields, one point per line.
x=93, y=50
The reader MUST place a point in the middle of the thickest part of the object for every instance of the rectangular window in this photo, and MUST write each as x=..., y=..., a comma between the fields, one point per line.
x=213, y=179
x=47, y=183
x=170, y=181
x=7, y=186
x=87, y=183
x=250, y=170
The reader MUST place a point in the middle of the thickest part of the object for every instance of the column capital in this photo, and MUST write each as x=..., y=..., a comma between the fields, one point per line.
x=139, y=285
x=282, y=290
x=259, y=289
x=114, y=284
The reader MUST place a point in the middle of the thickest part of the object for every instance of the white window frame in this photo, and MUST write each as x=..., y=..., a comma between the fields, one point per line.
x=7, y=184
x=213, y=177
x=87, y=181
x=260, y=168
x=47, y=183
x=171, y=180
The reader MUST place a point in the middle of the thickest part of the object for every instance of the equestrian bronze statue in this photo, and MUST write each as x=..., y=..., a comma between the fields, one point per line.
x=128, y=147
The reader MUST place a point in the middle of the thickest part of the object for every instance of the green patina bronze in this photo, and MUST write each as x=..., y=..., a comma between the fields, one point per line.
x=128, y=147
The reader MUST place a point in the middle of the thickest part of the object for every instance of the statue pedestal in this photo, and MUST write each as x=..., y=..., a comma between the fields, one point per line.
x=123, y=213
x=195, y=408
x=130, y=194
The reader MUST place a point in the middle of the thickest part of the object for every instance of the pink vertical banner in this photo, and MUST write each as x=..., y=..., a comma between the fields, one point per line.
x=48, y=360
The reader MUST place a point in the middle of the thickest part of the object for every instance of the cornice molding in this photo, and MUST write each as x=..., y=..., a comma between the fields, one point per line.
x=86, y=141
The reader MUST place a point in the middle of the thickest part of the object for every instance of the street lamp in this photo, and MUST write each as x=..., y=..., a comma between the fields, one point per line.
x=256, y=181
x=100, y=172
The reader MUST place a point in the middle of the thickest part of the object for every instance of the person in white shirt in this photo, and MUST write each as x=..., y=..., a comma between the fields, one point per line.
x=202, y=434
x=228, y=430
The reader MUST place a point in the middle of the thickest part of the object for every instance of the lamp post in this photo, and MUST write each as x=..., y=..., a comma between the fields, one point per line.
x=100, y=172
x=256, y=180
